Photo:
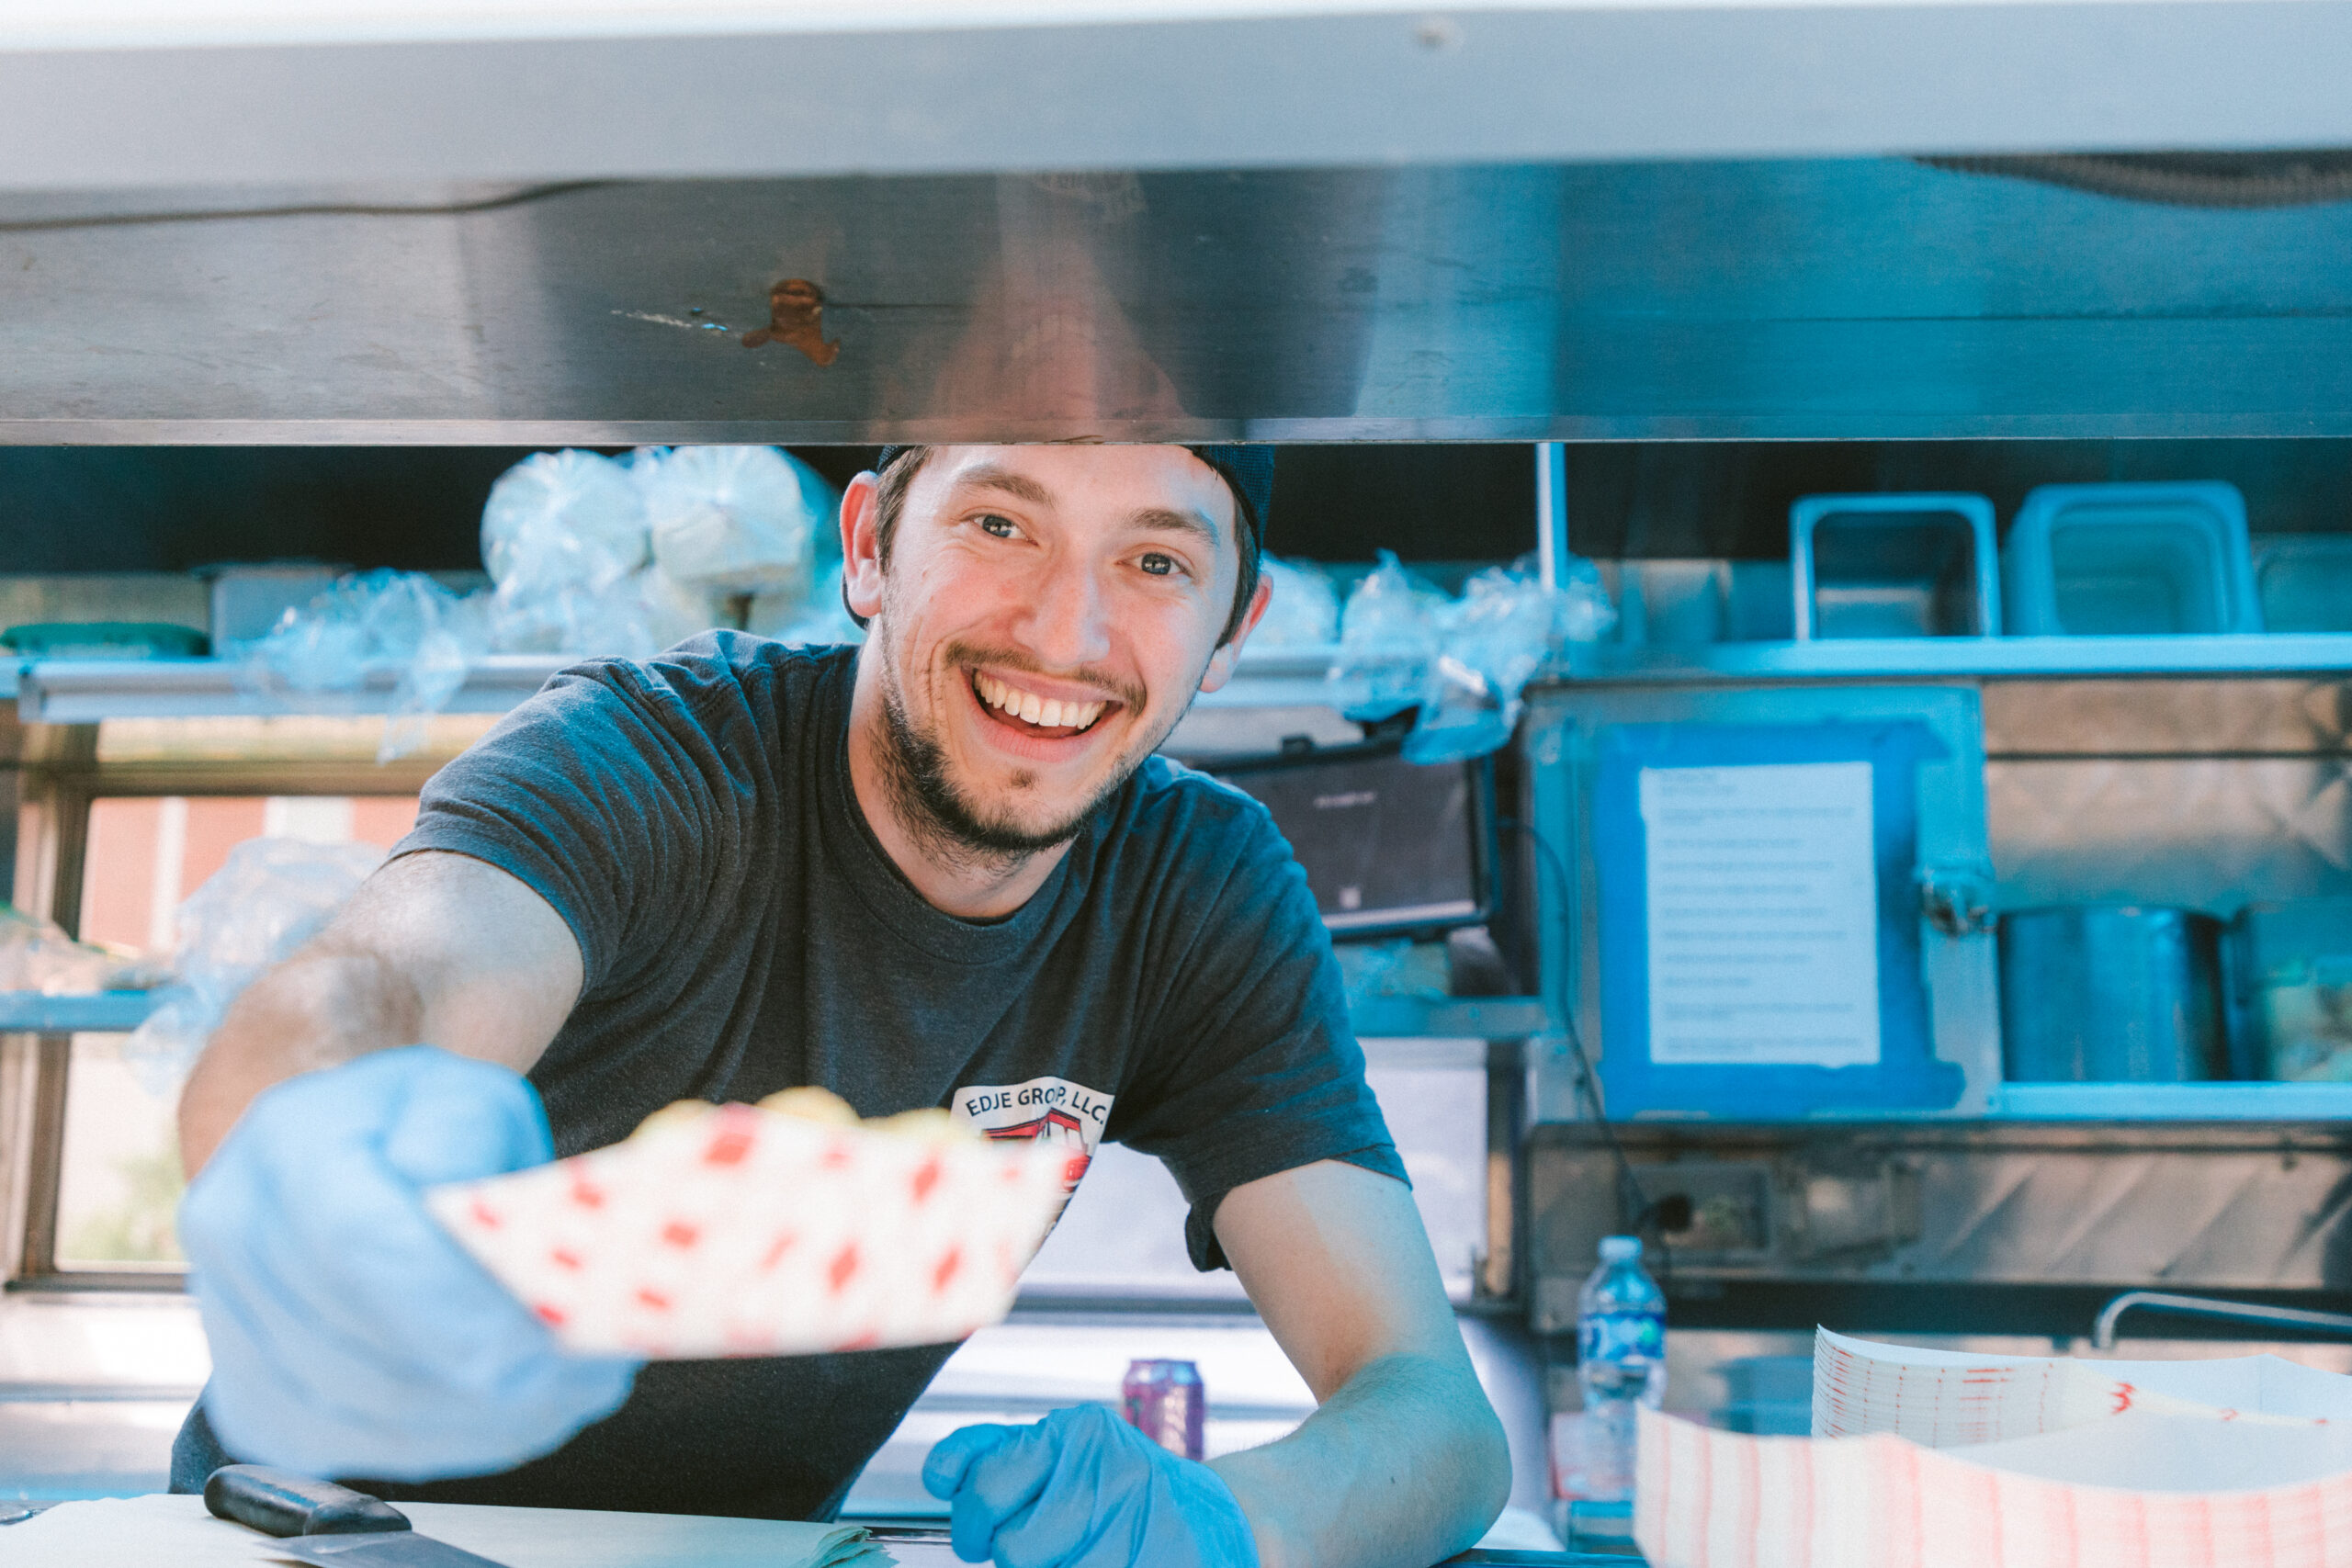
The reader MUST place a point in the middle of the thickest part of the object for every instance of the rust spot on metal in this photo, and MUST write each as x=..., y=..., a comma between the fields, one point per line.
x=796, y=318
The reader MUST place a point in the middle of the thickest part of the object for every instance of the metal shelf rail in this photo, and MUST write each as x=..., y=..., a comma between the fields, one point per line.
x=87, y=690
x=1386, y=1019
x=98, y=1013
x=1962, y=658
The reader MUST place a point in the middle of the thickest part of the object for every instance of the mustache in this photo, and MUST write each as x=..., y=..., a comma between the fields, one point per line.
x=965, y=654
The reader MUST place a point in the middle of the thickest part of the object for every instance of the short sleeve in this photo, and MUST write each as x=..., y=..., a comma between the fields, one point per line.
x=611, y=794
x=1253, y=1068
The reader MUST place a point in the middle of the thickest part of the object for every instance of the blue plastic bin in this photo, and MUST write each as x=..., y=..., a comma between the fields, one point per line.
x=1904, y=565
x=2129, y=560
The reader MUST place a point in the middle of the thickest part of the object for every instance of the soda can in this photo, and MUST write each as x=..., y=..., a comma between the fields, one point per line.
x=1166, y=1402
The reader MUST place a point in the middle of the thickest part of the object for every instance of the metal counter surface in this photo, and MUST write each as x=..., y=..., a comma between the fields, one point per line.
x=929, y=1549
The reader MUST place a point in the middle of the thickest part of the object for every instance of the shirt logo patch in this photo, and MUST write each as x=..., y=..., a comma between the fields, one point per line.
x=1047, y=1111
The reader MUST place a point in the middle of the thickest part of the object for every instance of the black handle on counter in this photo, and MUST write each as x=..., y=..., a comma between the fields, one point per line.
x=281, y=1502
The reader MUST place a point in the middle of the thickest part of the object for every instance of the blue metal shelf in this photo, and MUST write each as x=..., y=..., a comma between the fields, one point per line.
x=1960, y=658
x=100, y=1012
x=2172, y=1102
x=1487, y=1018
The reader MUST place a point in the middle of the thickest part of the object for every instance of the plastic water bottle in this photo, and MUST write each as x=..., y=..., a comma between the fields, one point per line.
x=1621, y=1363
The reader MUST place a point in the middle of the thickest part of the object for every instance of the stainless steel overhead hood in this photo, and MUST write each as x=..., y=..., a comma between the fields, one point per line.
x=435, y=238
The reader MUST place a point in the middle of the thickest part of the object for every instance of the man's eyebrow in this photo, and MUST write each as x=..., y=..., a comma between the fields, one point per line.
x=1164, y=519
x=1020, y=486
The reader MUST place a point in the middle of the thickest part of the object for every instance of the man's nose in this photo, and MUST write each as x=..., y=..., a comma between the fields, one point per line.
x=1068, y=624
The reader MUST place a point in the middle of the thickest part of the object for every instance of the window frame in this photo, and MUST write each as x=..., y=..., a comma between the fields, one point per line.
x=55, y=782
x=53, y=787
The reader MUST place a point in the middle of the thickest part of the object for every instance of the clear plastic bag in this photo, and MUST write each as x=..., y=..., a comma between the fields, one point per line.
x=1401, y=967
x=733, y=519
x=817, y=619
x=563, y=520
x=37, y=956
x=1585, y=613
x=1462, y=662
x=595, y=556
x=1493, y=639
x=1388, y=639
x=402, y=624
x=271, y=897
x=1304, y=611
x=672, y=612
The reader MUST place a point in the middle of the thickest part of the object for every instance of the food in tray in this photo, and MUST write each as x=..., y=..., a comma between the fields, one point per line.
x=789, y=1227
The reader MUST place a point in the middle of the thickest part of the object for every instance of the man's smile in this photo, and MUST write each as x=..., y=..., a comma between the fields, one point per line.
x=1012, y=704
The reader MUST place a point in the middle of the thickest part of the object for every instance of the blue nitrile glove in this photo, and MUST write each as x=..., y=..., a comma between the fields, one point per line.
x=351, y=1337
x=1082, y=1489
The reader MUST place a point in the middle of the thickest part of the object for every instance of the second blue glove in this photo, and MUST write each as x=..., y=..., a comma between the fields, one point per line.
x=1082, y=1489
x=351, y=1337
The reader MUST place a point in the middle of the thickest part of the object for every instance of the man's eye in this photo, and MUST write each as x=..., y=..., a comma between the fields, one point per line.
x=997, y=527
x=1158, y=565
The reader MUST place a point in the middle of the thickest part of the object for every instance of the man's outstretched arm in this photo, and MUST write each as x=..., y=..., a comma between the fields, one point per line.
x=350, y=1335
x=436, y=947
x=1404, y=1464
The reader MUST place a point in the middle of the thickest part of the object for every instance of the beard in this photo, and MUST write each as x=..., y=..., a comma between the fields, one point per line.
x=936, y=810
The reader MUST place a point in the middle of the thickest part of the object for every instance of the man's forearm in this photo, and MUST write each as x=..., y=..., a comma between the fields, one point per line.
x=1403, y=1467
x=321, y=1007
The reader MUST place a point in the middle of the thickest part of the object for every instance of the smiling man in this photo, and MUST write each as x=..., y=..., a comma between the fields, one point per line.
x=942, y=869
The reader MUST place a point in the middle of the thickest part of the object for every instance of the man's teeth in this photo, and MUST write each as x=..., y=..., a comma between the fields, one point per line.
x=1046, y=713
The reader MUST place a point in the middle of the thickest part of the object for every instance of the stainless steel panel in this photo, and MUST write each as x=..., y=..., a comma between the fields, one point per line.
x=1862, y=298
x=277, y=95
x=2181, y=718
x=2248, y=1207
x=2207, y=832
x=2109, y=992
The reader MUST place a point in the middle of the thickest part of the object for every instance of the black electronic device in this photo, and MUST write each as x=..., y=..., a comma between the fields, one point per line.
x=1389, y=846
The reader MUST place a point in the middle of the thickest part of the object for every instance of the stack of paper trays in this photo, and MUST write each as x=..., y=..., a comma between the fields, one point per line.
x=743, y=1232
x=1927, y=1459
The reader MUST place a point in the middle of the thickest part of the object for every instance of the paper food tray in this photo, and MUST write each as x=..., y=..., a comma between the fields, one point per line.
x=1937, y=1458
x=748, y=1232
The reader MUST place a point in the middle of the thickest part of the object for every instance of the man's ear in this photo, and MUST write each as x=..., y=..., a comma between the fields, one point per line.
x=1221, y=662
x=862, y=547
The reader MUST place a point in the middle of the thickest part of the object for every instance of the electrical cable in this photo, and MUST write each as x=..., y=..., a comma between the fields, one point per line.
x=524, y=197
x=1632, y=1199
x=2227, y=180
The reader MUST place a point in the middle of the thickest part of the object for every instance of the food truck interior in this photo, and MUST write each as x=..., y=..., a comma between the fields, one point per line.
x=2015, y=491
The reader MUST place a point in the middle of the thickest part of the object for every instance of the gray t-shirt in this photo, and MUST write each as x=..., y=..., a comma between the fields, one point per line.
x=1170, y=987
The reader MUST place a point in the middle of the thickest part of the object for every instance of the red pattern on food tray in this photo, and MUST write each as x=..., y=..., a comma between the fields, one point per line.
x=1715, y=1499
x=748, y=1232
x=730, y=1146
x=843, y=1269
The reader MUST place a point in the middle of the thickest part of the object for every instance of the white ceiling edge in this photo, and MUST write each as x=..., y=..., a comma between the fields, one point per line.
x=42, y=24
x=1490, y=85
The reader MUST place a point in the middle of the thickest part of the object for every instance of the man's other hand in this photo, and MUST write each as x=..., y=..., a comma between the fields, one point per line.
x=1082, y=1489
x=351, y=1337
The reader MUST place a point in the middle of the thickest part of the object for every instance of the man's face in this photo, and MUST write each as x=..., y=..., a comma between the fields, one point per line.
x=1046, y=617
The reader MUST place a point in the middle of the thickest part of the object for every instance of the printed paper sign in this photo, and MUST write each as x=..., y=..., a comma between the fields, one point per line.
x=1762, y=894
